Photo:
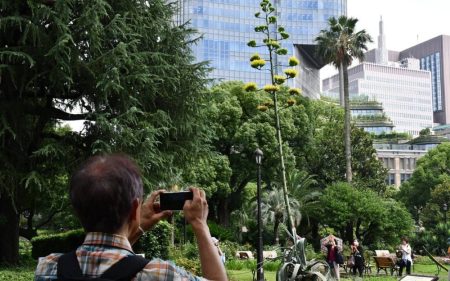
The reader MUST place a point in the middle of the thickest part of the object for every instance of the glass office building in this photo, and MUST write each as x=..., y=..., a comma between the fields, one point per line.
x=227, y=26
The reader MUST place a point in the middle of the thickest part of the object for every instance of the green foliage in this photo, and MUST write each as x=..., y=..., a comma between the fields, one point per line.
x=236, y=264
x=155, y=243
x=124, y=68
x=432, y=170
x=325, y=156
x=187, y=257
x=433, y=239
x=374, y=220
x=44, y=245
x=340, y=43
x=237, y=129
x=18, y=273
x=220, y=232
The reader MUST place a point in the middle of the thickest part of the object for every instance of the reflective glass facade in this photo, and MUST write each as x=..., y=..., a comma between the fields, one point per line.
x=227, y=26
x=432, y=63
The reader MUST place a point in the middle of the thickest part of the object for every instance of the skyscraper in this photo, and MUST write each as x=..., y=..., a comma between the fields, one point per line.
x=434, y=56
x=227, y=26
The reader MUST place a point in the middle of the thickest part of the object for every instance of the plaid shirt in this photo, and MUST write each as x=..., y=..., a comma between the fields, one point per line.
x=100, y=251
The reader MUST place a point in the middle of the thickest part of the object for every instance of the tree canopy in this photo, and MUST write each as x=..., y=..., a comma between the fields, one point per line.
x=432, y=170
x=121, y=66
x=362, y=214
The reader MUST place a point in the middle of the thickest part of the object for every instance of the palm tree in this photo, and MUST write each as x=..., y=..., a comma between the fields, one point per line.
x=302, y=187
x=273, y=210
x=339, y=45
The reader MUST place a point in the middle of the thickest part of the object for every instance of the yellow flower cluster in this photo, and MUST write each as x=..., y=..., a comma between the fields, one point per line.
x=255, y=57
x=291, y=102
x=293, y=61
x=250, y=87
x=258, y=63
x=271, y=88
x=295, y=91
x=274, y=43
x=279, y=79
x=290, y=72
x=262, y=108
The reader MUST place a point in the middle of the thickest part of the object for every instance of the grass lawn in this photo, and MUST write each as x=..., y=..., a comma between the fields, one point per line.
x=19, y=273
x=421, y=269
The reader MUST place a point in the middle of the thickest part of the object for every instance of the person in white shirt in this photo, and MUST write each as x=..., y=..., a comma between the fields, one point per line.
x=406, y=261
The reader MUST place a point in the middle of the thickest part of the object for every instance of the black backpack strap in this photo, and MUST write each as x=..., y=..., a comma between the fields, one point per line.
x=125, y=269
x=68, y=267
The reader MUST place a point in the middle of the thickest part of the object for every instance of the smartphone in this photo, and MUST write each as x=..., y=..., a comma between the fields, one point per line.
x=174, y=200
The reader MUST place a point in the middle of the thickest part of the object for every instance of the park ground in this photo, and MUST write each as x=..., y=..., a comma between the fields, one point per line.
x=26, y=272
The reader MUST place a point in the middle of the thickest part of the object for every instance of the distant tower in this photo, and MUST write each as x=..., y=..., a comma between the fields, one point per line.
x=381, y=56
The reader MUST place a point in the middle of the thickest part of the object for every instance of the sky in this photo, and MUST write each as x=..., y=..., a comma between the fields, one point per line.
x=406, y=22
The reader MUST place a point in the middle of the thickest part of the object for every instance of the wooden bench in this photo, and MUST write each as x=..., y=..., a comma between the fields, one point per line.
x=385, y=263
x=244, y=255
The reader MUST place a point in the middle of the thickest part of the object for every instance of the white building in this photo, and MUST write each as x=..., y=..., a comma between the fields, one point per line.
x=402, y=88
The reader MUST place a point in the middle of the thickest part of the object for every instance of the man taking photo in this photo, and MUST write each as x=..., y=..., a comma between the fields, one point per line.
x=107, y=195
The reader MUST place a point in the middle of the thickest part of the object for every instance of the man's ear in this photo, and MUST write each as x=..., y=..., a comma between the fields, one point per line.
x=135, y=210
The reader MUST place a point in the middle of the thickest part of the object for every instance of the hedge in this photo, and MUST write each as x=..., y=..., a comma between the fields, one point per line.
x=44, y=245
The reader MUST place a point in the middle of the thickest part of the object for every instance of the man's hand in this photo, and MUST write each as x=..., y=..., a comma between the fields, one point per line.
x=151, y=214
x=196, y=210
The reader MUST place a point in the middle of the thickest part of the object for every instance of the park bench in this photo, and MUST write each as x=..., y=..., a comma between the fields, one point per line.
x=385, y=263
x=244, y=255
x=270, y=255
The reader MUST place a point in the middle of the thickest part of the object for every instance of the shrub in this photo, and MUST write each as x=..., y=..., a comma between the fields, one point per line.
x=44, y=245
x=220, y=232
x=187, y=257
x=191, y=265
x=155, y=243
x=230, y=248
x=235, y=264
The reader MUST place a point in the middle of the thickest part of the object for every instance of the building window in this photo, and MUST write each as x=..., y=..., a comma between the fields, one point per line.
x=391, y=179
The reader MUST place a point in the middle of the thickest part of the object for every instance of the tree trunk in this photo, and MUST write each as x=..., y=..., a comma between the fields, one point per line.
x=347, y=126
x=315, y=235
x=276, y=225
x=223, y=214
x=341, y=85
x=9, y=235
x=348, y=232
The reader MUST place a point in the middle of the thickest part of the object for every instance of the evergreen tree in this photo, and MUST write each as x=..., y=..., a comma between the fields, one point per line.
x=122, y=66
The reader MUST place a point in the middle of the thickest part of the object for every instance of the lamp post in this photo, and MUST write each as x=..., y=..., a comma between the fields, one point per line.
x=259, y=257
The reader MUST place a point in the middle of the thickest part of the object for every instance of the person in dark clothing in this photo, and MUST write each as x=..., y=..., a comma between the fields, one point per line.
x=332, y=253
x=358, y=255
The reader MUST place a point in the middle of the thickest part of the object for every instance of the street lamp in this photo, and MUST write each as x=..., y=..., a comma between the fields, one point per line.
x=259, y=256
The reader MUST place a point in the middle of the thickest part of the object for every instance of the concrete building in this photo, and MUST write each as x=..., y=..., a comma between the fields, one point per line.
x=432, y=55
x=403, y=89
x=370, y=116
x=227, y=26
x=401, y=159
